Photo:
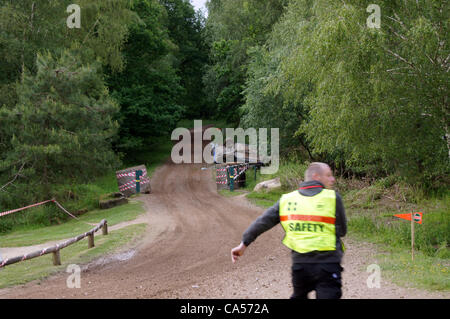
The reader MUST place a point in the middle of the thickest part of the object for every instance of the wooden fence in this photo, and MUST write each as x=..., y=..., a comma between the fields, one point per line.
x=55, y=249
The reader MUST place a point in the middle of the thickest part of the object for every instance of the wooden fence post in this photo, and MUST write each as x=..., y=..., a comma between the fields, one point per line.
x=105, y=228
x=91, y=240
x=55, y=250
x=56, y=258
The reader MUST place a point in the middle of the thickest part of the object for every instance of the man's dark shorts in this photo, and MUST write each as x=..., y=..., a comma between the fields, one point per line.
x=324, y=278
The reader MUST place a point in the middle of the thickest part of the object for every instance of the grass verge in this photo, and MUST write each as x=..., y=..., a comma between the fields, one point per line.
x=228, y=193
x=78, y=253
x=28, y=236
x=425, y=272
x=265, y=199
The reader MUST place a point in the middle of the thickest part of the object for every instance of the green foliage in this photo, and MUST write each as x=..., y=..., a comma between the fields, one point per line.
x=52, y=98
x=35, y=218
x=62, y=128
x=58, y=120
x=233, y=27
x=374, y=96
x=161, y=81
x=148, y=90
x=291, y=174
x=156, y=152
x=264, y=199
x=30, y=26
x=371, y=102
x=185, y=29
x=266, y=106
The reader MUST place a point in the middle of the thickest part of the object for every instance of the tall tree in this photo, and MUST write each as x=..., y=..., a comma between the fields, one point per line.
x=28, y=26
x=62, y=127
x=233, y=27
x=376, y=97
x=32, y=26
x=148, y=89
x=186, y=32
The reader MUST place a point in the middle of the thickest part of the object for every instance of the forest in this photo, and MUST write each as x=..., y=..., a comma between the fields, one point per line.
x=75, y=103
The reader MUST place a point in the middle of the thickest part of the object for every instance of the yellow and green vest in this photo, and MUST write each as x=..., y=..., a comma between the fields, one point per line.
x=309, y=221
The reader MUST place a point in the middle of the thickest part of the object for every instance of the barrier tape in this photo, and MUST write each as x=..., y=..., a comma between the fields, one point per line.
x=67, y=212
x=132, y=184
x=125, y=175
x=128, y=184
x=23, y=208
x=132, y=174
x=42, y=203
x=126, y=188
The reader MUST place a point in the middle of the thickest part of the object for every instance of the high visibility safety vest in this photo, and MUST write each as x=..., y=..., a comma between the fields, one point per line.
x=309, y=221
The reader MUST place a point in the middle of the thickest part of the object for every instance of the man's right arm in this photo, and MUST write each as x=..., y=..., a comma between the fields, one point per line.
x=341, y=219
x=266, y=221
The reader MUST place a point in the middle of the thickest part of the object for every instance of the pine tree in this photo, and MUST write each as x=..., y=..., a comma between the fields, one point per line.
x=148, y=89
x=62, y=126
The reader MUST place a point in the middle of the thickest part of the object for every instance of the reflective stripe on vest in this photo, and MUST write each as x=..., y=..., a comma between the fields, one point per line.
x=309, y=221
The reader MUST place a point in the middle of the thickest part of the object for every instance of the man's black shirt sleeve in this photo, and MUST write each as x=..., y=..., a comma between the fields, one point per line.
x=266, y=221
x=341, y=219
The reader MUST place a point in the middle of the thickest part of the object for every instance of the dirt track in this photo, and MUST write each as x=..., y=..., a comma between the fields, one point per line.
x=186, y=252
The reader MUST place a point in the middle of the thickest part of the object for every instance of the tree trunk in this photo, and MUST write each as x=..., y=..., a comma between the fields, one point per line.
x=447, y=137
x=33, y=7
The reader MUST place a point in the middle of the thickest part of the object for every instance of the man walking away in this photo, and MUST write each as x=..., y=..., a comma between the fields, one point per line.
x=313, y=218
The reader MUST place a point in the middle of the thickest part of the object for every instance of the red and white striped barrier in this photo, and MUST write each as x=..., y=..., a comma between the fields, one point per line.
x=132, y=184
x=126, y=175
x=238, y=170
x=42, y=203
x=131, y=174
x=26, y=207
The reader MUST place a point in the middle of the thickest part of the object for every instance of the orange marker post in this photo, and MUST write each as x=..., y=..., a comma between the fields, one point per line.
x=412, y=237
x=414, y=218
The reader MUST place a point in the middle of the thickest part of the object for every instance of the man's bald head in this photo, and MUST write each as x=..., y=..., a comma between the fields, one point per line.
x=321, y=172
